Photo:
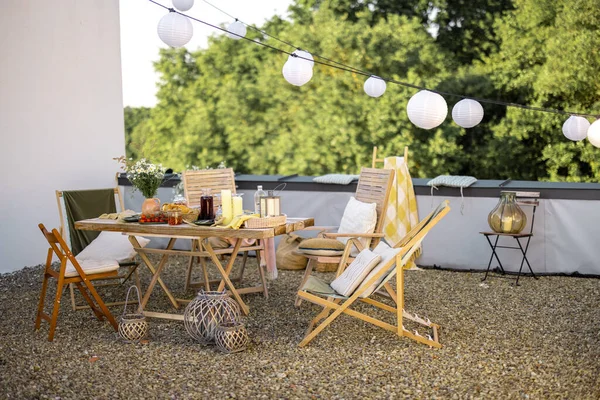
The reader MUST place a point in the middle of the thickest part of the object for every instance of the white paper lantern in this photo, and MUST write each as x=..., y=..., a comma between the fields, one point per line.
x=593, y=133
x=175, y=29
x=297, y=71
x=575, y=128
x=303, y=54
x=467, y=113
x=427, y=109
x=374, y=86
x=183, y=5
x=237, y=29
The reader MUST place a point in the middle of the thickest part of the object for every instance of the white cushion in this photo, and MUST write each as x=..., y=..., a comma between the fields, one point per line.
x=348, y=281
x=358, y=217
x=387, y=253
x=111, y=246
x=91, y=267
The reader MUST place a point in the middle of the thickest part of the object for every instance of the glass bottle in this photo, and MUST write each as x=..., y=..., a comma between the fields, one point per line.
x=507, y=216
x=259, y=193
x=206, y=205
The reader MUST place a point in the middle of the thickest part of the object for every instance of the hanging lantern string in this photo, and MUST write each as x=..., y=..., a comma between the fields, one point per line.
x=351, y=69
x=277, y=39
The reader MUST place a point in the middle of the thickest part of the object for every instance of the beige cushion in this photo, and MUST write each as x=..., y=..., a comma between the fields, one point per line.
x=348, y=281
x=91, y=267
x=358, y=217
x=111, y=246
x=387, y=253
x=322, y=247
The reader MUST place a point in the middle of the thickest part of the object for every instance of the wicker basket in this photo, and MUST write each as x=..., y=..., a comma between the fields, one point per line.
x=133, y=326
x=192, y=216
x=266, y=222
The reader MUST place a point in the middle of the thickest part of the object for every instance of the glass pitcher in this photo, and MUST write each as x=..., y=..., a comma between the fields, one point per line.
x=206, y=205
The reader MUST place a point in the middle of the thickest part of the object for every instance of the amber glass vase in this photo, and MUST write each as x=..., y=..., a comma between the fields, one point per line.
x=507, y=216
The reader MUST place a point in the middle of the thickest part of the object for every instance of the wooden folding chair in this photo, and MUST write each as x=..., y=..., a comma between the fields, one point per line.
x=336, y=304
x=129, y=266
x=374, y=186
x=216, y=180
x=79, y=278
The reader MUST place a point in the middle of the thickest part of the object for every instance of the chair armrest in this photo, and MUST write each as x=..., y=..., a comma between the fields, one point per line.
x=319, y=228
x=354, y=235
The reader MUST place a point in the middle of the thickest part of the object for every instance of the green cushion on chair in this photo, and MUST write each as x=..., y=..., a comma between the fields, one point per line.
x=322, y=247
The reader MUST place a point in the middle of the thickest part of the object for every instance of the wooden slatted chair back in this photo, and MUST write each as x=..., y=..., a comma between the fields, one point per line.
x=214, y=179
x=374, y=186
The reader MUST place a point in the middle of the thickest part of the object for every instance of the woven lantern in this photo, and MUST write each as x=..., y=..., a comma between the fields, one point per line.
x=374, y=86
x=575, y=128
x=467, y=113
x=183, y=5
x=427, y=109
x=236, y=30
x=231, y=337
x=206, y=312
x=175, y=30
x=297, y=71
x=133, y=326
x=593, y=133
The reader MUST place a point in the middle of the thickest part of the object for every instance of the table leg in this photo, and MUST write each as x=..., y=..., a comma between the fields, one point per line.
x=232, y=258
x=225, y=274
x=155, y=273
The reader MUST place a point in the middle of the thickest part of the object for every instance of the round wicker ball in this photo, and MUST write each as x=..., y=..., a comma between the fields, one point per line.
x=206, y=312
x=231, y=337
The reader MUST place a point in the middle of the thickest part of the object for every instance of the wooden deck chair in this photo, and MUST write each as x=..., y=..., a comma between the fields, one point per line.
x=374, y=186
x=91, y=204
x=72, y=272
x=216, y=180
x=335, y=304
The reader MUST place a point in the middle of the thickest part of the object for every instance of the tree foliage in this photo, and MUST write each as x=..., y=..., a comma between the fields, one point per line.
x=230, y=102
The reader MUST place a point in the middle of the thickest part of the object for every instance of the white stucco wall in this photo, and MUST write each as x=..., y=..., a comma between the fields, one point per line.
x=61, y=113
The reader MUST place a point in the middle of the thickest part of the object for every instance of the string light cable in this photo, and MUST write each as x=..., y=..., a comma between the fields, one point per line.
x=343, y=67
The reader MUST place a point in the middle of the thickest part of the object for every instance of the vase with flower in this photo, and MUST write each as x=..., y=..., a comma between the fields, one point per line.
x=145, y=177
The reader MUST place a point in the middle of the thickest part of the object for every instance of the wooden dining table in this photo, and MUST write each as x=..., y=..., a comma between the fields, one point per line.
x=193, y=232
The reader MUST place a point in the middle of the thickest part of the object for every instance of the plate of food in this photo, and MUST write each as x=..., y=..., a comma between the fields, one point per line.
x=204, y=222
x=132, y=218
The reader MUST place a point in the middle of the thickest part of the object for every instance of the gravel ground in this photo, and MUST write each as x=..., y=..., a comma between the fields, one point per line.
x=540, y=340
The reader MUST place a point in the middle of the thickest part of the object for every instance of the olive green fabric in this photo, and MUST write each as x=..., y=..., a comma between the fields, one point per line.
x=85, y=204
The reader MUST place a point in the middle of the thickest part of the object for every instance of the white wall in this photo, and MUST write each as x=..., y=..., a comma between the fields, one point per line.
x=61, y=113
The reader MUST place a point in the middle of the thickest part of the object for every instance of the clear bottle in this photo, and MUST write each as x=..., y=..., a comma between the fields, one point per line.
x=259, y=193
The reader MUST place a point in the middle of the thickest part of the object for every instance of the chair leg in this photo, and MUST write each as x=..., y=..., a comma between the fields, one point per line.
x=311, y=263
x=73, y=300
x=56, y=308
x=101, y=304
x=38, y=319
x=322, y=315
x=88, y=300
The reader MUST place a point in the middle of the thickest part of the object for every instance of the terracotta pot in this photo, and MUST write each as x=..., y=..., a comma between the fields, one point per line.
x=150, y=206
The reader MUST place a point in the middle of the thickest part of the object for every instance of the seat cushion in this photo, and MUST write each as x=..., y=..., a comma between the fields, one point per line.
x=91, y=267
x=351, y=278
x=358, y=217
x=387, y=254
x=321, y=247
x=111, y=246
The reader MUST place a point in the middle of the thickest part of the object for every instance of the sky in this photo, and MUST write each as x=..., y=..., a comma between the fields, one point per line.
x=140, y=42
